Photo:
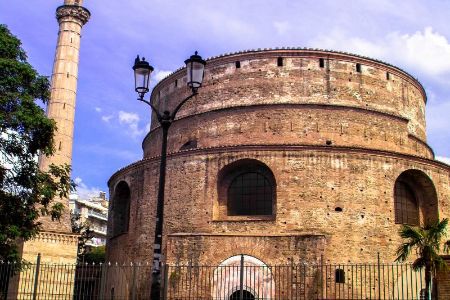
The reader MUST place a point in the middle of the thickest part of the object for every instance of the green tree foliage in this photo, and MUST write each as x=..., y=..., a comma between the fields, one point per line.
x=85, y=233
x=427, y=242
x=25, y=133
x=96, y=255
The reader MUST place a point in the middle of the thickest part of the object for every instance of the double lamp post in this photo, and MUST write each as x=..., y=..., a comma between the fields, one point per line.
x=195, y=67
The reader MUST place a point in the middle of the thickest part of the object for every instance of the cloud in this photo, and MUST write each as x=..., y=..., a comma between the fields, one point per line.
x=107, y=118
x=128, y=118
x=159, y=75
x=98, y=109
x=281, y=27
x=443, y=159
x=425, y=51
x=83, y=191
x=131, y=120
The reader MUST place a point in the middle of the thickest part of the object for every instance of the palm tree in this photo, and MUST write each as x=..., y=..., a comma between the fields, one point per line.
x=427, y=242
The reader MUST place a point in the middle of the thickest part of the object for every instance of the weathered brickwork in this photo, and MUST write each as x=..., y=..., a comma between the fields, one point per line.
x=335, y=139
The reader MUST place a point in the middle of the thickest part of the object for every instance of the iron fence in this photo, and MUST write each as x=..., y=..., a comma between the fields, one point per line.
x=301, y=281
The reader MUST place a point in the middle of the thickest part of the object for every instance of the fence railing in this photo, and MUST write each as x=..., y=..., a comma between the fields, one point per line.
x=244, y=281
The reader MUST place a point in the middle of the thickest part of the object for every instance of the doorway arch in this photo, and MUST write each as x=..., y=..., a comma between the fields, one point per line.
x=246, y=295
x=257, y=279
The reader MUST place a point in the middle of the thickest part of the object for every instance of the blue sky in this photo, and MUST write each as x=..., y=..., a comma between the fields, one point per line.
x=110, y=123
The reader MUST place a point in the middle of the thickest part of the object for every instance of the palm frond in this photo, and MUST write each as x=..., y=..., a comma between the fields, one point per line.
x=437, y=230
x=403, y=252
x=412, y=233
x=418, y=264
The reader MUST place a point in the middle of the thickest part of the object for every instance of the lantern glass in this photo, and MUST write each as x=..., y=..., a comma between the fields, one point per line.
x=195, y=67
x=142, y=71
x=141, y=79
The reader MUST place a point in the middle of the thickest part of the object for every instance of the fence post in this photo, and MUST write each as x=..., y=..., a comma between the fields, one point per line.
x=133, y=282
x=379, y=276
x=36, y=276
x=321, y=276
x=166, y=280
x=241, y=279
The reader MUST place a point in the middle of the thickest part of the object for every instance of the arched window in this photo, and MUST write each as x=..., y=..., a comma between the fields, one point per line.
x=246, y=188
x=406, y=204
x=415, y=199
x=121, y=208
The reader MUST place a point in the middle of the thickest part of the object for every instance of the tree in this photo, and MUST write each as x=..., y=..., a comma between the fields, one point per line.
x=427, y=242
x=84, y=234
x=26, y=193
x=96, y=256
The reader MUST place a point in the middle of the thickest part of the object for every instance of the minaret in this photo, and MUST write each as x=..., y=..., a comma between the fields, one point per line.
x=71, y=17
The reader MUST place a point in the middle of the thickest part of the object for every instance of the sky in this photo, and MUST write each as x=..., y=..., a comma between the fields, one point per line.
x=110, y=123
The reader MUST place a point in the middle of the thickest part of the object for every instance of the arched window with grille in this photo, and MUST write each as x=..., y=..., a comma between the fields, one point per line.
x=406, y=204
x=247, y=188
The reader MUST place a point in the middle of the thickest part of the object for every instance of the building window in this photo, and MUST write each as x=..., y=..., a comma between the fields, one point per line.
x=406, y=206
x=280, y=61
x=121, y=209
x=358, y=68
x=339, y=276
x=191, y=144
x=238, y=64
x=321, y=62
x=247, y=188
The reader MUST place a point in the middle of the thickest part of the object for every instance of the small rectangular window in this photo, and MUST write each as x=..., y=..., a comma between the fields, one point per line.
x=358, y=68
x=280, y=61
x=238, y=64
x=176, y=82
x=388, y=76
x=321, y=62
x=339, y=276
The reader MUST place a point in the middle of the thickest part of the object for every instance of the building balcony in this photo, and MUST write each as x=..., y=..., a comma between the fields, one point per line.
x=101, y=231
x=98, y=215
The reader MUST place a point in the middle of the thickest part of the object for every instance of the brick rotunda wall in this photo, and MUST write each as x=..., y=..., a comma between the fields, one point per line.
x=335, y=137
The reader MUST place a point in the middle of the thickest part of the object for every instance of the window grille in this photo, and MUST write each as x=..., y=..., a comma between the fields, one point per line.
x=250, y=193
x=406, y=206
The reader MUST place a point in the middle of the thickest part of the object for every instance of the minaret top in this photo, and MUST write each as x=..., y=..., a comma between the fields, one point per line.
x=73, y=2
x=72, y=10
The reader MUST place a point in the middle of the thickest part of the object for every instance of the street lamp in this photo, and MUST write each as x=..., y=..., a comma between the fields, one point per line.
x=195, y=67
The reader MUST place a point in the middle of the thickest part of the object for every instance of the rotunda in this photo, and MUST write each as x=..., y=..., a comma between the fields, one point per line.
x=285, y=155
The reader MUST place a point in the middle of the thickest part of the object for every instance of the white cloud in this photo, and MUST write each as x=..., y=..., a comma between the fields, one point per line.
x=83, y=191
x=424, y=51
x=443, y=159
x=98, y=109
x=159, y=75
x=128, y=118
x=107, y=118
x=281, y=27
x=131, y=120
